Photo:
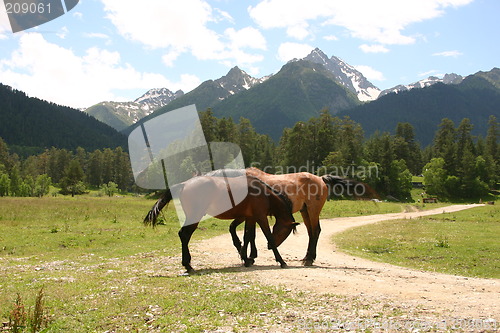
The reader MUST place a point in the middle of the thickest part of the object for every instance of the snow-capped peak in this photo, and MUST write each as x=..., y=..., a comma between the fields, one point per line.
x=236, y=80
x=346, y=75
x=446, y=79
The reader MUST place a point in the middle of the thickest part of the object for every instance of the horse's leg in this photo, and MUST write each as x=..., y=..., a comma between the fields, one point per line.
x=234, y=235
x=248, y=238
x=311, y=220
x=264, y=226
x=185, y=235
x=250, y=226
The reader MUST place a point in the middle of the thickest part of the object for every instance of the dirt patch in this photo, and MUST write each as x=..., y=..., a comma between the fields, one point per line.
x=335, y=273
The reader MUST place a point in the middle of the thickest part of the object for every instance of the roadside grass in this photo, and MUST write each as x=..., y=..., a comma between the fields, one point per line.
x=461, y=243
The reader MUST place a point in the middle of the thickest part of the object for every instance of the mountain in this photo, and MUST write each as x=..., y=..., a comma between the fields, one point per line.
x=210, y=93
x=31, y=122
x=447, y=79
x=476, y=97
x=346, y=75
x=299, y=91
x=120, y=115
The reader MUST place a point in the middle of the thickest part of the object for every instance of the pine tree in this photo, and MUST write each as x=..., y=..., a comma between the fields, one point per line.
x=72, y=182
x=406, y=148
x=445, y=146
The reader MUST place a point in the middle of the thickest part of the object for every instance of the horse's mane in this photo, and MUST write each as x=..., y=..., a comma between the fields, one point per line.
x=281, y=195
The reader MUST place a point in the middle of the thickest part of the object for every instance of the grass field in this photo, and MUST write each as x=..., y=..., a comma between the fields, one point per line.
x=102, y=270
x=462, y=243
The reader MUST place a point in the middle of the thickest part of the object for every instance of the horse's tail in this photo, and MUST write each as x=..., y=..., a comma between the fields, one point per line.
x=349, y=187
x=151, y=218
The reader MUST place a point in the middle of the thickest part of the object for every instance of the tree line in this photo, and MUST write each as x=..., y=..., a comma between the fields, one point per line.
x=457, y=164
x=74, y=172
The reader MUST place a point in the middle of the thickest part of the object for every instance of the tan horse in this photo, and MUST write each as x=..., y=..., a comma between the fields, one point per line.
x=308, y=194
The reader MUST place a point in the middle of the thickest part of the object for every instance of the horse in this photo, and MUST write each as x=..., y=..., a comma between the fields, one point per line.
x=203, y=195
x=308, y=194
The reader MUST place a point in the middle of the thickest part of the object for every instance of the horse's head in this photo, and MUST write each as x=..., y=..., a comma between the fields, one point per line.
x=283, y=228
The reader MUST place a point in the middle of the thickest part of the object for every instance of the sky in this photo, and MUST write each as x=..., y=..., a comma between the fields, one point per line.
x=116, y=50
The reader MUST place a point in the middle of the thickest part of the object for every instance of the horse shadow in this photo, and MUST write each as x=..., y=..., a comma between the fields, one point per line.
x=234, y=269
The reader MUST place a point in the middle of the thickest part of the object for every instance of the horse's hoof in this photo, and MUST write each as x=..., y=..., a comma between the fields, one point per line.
x=284, y=265
x=189, y=271
x=249, y=262
x=307, y=262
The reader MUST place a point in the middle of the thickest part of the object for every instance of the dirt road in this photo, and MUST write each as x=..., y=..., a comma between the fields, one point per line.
x=340, y=274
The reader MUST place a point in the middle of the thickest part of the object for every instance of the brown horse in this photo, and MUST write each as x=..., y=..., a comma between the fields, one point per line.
x=308, y=194
x=203, y=195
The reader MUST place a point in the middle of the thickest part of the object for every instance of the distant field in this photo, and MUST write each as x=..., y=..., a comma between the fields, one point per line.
x=462, y=243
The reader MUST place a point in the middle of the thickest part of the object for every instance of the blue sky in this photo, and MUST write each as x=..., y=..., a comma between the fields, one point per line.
x=116, y=50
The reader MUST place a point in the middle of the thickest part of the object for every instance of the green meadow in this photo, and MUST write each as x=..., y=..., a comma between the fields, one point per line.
x=461, y=243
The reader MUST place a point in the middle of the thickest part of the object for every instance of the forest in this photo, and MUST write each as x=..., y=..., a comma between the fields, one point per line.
x=456, y=165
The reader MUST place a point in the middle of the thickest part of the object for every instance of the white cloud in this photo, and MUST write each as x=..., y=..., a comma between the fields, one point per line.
x=246, y=37
x=370, y=73
x=78, y=15
x=289, y=51
x=331, y=38
x=299, y=31
x=51, y=72
x=62, y=33
x=223, y=16
x=187, y=83
x=381, y=22
x=96, y=35
x=179, y=26
x=453, y=54
x=375, y=48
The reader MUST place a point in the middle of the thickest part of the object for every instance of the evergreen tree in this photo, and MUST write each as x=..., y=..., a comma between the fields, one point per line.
x=72, y=182
x=465, y=146
x=351, y=141
x=327, y=132
x=209, y=125
x=445, y=146
x=226, y=130
x=406, y=148
x=95, y=169
x=246, y=140
x=491, y=145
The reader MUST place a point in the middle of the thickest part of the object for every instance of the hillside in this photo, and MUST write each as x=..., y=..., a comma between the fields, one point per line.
x=31, y=122
x=299, y=91
x=476, y=97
